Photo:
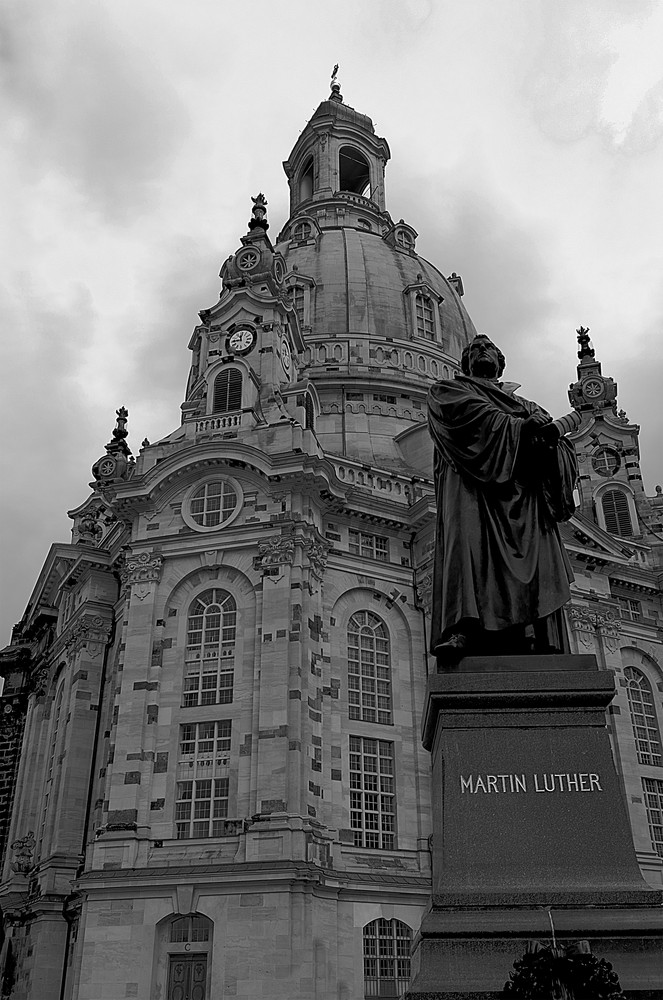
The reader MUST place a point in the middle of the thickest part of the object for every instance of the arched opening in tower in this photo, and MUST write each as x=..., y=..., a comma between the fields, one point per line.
x=306, y=181
x=354, y=171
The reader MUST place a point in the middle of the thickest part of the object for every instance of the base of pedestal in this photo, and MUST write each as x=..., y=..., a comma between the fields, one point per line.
x=471, y=951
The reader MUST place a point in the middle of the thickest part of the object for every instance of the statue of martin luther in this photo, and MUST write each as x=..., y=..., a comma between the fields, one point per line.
x=505, y=475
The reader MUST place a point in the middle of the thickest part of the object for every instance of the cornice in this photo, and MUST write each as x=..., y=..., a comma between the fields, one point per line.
x=253, y=874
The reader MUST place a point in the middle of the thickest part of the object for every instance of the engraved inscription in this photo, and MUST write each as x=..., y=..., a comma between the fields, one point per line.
x=565, y=781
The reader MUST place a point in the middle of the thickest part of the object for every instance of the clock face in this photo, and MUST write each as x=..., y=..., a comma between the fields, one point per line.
x=247, y=260
x=286, y=357
x=241, y=341
x=107, y=467
x=592, y=388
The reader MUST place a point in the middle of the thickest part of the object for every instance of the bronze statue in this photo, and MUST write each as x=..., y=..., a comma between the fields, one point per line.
x=504, y=475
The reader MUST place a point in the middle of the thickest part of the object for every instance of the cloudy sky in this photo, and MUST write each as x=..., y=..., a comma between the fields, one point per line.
x=527, y=151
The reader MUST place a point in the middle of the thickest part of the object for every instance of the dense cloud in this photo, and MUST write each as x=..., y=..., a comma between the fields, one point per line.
x=89, y=103
x=526, y=145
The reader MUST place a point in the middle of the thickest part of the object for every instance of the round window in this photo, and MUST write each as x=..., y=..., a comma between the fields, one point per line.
x=211, y=505
x=606, y=461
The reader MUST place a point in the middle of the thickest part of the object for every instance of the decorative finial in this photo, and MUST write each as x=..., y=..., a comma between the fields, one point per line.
x=335, y=86
x=259, y=213
x=120, y=431
x=116, y=463
x=583, y=340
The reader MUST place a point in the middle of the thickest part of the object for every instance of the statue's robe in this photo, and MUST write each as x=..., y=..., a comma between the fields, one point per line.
x=499, y=559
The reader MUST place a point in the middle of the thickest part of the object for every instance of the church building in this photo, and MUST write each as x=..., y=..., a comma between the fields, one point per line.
x=212, y=781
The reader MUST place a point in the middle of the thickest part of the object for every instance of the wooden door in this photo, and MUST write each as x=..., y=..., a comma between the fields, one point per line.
x=187, y=977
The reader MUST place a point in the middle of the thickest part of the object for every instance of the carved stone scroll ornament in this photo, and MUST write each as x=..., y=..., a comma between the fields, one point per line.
x=23, y=851
x=143, y=567
x=424, y=589
x=92, y=632
x=318, y=553
x=276, y=551
x=89, y=528
x=140, y=570
x=37, y=681
x=589, y=624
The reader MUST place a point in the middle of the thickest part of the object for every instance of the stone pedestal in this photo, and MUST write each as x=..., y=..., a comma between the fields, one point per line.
x=528, y=815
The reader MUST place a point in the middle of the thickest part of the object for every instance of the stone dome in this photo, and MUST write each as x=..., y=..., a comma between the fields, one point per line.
x=359, y=286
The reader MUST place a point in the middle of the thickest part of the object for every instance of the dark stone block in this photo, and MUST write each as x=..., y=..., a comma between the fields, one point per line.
x=123, y=818
x=273, y=805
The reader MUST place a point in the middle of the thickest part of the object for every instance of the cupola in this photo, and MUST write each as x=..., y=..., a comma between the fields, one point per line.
x=338, y=157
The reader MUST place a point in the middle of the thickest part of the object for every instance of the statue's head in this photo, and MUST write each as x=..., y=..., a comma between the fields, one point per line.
x=482, y=358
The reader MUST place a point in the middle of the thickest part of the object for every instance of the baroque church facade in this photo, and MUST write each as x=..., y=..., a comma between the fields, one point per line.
x=212, y=782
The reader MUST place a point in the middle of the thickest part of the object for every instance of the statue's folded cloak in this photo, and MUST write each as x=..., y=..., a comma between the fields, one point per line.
x=498, y=556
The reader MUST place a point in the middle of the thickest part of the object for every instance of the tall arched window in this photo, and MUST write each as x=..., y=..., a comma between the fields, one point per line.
x=616, y=513
x=227, y=391
x=354, y=173
x=369, y=669
x=210, y=649
x=643, y=717
x=387, y=945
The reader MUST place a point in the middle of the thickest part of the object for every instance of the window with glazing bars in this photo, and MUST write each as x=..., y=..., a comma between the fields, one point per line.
x=643, y=717
x=213, y=503
x=630, y=608
x=227, y=391
x=653, y=792
x=189, y=928
x=369, y=546
x=210, y=649
x=372, y=797
x=369, y=669
x=425, y=317
x=200, y=738
x=201, y=808
x=387, y=945
x=298, y=302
